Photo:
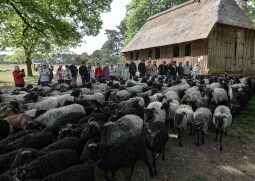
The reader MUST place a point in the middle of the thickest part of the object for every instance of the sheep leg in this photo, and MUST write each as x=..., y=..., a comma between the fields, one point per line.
x=216, y=137
x=197, y=138
x=225, y=132
x=163, y=155
x=203, y=137
x=190, y=129
x=181, y=137
x=131, y=172
x=153, y=159
x=145, y=159
x=221, y=135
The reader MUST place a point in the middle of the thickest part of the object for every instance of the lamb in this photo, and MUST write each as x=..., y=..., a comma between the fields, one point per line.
x=124, y=153
x=77, y=172
x=98, y=96
x=33, y=140
x=47, y=164
x=217, y=96
x=72, y=143
x=222, y=118
x=50, y=116
x=156, y=141
x=154, y=113
x=111, y=132
x=202, y=119
x=6, y=161
x=60, y=122
x=183, y=116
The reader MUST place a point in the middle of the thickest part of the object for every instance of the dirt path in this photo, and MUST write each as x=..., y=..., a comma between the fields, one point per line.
x=192, y=163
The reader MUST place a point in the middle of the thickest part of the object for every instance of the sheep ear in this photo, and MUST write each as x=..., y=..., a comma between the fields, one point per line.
x=92, y=145
x=155, y=110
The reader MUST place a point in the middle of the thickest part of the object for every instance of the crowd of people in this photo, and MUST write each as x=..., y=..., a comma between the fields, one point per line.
x=87, y=72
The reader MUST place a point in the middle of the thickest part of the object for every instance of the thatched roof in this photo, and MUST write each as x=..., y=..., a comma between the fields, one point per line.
x=187, y=22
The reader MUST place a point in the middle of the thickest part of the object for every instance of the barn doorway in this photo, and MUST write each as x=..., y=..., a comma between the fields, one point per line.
x=230, y=58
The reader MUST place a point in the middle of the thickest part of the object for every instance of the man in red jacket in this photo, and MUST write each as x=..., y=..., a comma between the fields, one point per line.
x=19, y=77
x=98, y=72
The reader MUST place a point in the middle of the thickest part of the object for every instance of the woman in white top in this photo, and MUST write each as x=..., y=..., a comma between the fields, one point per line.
x=67, y=75
x=112, y=73
x=90, y=72
x=44, y=75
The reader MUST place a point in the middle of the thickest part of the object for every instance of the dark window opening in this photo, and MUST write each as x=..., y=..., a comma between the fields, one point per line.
x=150, y=54
x=188, y=50
x=176, y=51
x=157, y=53
x=137, y=56
x=131, y=56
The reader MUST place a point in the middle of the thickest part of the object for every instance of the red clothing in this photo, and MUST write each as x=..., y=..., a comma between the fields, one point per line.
x=68, y=82
x=60, y=74
x=98, y=72
x=18, y=77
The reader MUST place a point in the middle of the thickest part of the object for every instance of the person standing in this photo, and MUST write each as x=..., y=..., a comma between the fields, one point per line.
x=186, y=68
x=180, y=69
x=195, y=70
x=67, y=75
x=59, y=74
x=74, y=71
x=51, y=76
x=83, y=71
x=132, y=69
x=112, y=73
x=142, y=68
x=149, y=67
x=44, y=73
x=162, y=68
x=173, y=69
x=18, y=76
x=125, y=71
x=119, y=70
x=91, y=74
x=98, y=72
x=106, y=72
x=154, y=69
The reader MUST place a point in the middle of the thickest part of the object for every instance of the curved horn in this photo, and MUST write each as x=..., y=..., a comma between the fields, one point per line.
x=92, y=145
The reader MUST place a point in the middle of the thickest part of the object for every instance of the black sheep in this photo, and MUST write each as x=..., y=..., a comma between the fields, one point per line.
x=71, y=131
x=6, y=161
x=34, y=140
x=156, y=141
x=76, y=173
x=72, y=143
x=47, y=164
x=71, y=118
x=124, y=153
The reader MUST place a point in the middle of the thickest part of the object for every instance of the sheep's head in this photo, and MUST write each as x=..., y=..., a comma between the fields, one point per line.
x=89, y=151
x=5, y=111
x=153, y=137
x=76, y=93
x=149, y=114
x=166, y=104
x=219, y=122
x=90, y=130
x=209, y=93
x=179, y=118
x=24, y=156
x=34, y=125
x=161, y=98
x=66, y=132
x=198, y=124
x=192, y=103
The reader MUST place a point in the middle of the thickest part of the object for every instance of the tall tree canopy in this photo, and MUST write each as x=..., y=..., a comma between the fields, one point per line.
x=40, y=25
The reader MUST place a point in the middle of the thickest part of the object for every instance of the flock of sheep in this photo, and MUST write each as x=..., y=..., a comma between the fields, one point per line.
x=48, y=133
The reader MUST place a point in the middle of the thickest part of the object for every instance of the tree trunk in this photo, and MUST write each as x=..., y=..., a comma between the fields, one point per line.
x=29, y=63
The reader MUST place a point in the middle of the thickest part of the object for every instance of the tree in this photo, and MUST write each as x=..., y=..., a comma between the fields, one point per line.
x=44, y=25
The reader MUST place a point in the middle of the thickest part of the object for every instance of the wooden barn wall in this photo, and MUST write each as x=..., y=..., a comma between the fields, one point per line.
x=231, y=49
x=198, y=48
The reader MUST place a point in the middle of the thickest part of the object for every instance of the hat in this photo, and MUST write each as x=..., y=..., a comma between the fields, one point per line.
x=16, y=66
x=149, y=60
x=143, y=60
x=82, y=62
x=67, y=66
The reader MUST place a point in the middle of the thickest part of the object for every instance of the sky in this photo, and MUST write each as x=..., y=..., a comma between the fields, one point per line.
x=110, y=21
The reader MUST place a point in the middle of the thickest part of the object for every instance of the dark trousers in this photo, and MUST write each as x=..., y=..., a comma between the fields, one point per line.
x=19, y=85
x=132, y=75
x=60, y=81
x=148, y=75
x=83, y=80
x=99, y=78
x=142, y=74
x=88, y=79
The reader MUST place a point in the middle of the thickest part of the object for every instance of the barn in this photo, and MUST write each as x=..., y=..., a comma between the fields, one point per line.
x=216, y=34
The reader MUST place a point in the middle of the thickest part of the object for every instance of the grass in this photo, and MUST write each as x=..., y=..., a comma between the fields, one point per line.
x=6, y=78
x=199, y=178
x=243, y=127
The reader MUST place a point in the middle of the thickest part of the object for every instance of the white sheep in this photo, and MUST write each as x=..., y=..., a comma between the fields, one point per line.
x=50, y=116
x=222, y=118
x=217, y=96
x=154, y=113
x=213, y=85
x=202, y=119
x=122, y=93
x=172, y=95
x=98, y=96
x=98, y=86
x=135, y=89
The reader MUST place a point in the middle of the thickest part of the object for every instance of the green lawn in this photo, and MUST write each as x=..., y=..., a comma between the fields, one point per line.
x=243, y=127
x=6, y=78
